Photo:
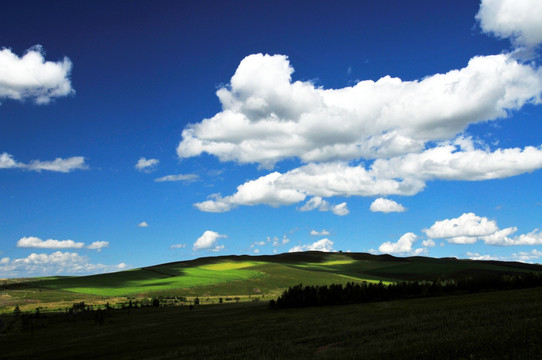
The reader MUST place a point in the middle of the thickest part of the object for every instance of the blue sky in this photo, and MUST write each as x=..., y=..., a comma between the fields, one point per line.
x=134, y=133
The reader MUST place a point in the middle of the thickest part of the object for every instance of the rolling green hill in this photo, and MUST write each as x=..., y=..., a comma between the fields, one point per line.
x=243, y=276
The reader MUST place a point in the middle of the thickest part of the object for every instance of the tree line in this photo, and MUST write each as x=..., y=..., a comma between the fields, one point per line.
x=356, y=293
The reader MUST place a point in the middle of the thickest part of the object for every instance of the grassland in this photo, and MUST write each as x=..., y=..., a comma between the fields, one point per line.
x=492, y=325
x=486, y=325
x=244, y=276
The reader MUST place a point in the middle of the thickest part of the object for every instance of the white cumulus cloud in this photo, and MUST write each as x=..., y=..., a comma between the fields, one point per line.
x=402, y=175
x=386, y=206
x=260, y=191
x=469, y=228
x=517, y=20
x=375, y=138
x=522, y=256
x=428, y=243
x=465, y=229
x=143, y=224
x=34, y=242
x=527, y=256
x=209, y=241
x=478, y=256
x=62, y=263
x=266, y=117
x=324, y=245
x=402, y=246
x=31, y=77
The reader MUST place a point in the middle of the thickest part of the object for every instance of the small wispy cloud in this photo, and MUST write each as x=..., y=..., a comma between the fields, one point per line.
x=324, y=232
x=180, y=177
x=177, y=246
x=143, y=224
x=323, y=205
x=146, y=165
x=57, y=165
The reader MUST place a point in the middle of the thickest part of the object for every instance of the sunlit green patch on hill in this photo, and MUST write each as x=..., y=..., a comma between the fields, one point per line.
x=153, y=279
x=326, y=264
x=230, y=265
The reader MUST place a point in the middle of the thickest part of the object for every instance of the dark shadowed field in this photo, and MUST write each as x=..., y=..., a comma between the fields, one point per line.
x=489, y=325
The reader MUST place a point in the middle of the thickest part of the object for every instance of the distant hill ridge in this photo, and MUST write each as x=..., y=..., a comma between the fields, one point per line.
x=240, y=274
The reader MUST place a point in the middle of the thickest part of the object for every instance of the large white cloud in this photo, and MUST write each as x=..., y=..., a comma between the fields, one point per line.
x=469, y=228
x=391, y=123
x=376, y=138
x=402, y=175
x=324, y=245
x=31, y=77
x=56, y=263
x=266, y=117
x=460, y=160
x=519, y=20
x=209, y=241
x=57, y=165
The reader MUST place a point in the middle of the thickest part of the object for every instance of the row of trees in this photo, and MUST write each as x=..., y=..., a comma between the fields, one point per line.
x=355, y=293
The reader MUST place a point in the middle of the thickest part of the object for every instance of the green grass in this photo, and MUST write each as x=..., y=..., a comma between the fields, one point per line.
x=145, y=280
x=492, y=325
x=239, y=276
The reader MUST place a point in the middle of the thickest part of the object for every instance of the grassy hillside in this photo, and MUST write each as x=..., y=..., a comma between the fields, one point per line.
x=242, y=276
